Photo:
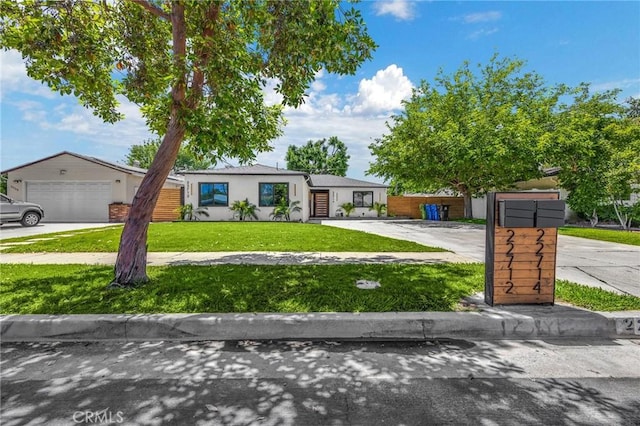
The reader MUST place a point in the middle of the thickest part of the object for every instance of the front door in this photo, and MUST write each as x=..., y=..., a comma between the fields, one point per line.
x=321, y=204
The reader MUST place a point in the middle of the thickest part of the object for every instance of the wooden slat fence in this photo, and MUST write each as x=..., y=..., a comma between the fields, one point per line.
x=168, y=201
x=410, y=206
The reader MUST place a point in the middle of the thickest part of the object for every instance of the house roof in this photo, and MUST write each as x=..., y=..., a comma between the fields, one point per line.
x=120, y=167
x=314, y=180
x=331, y=180
x=257, y=169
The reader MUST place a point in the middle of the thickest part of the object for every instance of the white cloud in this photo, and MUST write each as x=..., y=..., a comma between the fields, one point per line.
x=474, y=18
x=401, y=9
x=383, y=93
x=627, y=83
x=13, y=77
x=356, y=119
x=482, y=33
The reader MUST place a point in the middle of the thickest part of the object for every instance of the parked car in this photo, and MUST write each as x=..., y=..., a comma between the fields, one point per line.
x=28, y=214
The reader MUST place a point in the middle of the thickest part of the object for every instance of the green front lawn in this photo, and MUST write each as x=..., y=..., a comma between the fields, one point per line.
x=77, y=289
x=611, y=235
x=80, y=289
x=225, y=236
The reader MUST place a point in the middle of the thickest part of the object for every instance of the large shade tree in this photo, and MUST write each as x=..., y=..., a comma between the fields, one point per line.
x=469, y=131
x=596, y=143
x=321, y=157
x=197, y=68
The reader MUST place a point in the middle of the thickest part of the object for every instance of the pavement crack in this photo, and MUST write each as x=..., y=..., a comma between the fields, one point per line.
x=603, y=282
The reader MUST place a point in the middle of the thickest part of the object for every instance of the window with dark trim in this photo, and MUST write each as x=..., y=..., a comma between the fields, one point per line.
x=213, y=194
x=272, y=194
x=363, y=198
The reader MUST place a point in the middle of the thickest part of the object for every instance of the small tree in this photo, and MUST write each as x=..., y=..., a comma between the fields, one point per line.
x=348, y=208
x=380, y=208
x=187, y=212
x=244, y=209
x=284, y=210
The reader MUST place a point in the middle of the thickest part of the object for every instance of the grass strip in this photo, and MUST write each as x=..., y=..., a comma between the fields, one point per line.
x=610, y=235
x=226, y=236
x=595, y=299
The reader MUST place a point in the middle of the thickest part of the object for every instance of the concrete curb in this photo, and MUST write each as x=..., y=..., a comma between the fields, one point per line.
x=492, y=324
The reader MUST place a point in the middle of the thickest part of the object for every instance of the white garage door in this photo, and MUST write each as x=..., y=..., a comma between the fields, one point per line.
x=72, y=201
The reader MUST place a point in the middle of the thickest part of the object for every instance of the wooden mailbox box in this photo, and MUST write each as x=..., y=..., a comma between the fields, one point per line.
x=520, y=251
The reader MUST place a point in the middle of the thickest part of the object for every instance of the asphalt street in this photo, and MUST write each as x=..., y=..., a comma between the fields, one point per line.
x=322, y=383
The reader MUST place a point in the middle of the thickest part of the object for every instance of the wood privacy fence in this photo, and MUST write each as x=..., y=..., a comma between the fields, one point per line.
x=168, y=201
x=410, y=206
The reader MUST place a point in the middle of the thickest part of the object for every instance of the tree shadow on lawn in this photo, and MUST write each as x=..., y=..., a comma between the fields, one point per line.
x=293, y=383
x=318, y=258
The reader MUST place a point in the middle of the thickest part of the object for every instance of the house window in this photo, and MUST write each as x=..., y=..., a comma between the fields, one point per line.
x=212, y=194
x=363, y=198
x=272, y=194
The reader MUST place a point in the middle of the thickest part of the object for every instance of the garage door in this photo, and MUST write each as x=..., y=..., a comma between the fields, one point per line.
x=72, y=201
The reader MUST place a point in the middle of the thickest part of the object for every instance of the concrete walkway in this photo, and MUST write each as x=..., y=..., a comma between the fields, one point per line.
x=611, y=266
x=237, y=258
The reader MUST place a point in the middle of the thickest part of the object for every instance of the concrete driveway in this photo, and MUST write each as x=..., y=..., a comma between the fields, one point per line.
x=15, y=230
x=615, y=267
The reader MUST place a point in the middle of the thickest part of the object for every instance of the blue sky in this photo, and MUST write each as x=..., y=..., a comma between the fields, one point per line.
x=565, y=42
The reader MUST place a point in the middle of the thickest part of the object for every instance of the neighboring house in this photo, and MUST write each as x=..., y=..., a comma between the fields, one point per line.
x=76, y=188
x=319, y=196
x=548, y=182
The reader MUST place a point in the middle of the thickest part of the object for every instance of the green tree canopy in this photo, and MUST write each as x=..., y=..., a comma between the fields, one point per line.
x=319, y=157
x=472, y=132
x=142, y=155
x=597, y=145
x=197, y=68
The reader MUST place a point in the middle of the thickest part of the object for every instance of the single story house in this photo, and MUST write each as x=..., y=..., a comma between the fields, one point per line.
x=78, y=188
x=319, y=196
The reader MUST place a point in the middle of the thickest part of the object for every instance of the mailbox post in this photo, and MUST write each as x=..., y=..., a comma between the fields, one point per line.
x=520, y=251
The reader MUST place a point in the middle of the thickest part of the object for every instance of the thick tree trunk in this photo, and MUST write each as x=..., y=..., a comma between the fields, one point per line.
x=131, y=263
x=468, y=206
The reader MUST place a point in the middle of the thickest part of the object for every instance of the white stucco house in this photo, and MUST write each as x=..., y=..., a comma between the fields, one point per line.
x=320, y=196
x=77, y=188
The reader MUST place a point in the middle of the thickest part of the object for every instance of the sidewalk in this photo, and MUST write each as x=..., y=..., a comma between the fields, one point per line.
x=237, y=258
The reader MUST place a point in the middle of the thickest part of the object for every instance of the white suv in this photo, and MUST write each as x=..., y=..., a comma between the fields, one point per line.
x=28, y=214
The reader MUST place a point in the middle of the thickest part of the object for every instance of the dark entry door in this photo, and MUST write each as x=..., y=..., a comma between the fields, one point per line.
x=321, y=204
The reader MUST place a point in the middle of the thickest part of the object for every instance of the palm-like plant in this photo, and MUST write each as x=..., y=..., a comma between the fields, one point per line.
x=284, y=210
x=348, y=208
x=244, y=209
x=187, y=212
x=380, y=208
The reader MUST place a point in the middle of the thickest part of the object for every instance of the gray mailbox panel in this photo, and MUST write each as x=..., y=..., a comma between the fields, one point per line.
x=550, y=213
x=517, y=213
